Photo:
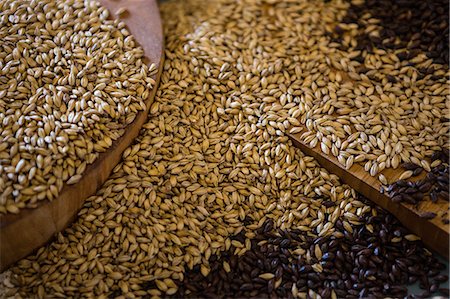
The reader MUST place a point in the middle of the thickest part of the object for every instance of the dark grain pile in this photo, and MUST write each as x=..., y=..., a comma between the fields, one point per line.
x=363, y=263
x=415, y=26
x=433, y=187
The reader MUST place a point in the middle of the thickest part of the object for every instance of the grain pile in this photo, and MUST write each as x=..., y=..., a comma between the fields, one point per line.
x=362, y=264
x=434, y=185
x=70, y=82
x=212, y=167
x=381, y=98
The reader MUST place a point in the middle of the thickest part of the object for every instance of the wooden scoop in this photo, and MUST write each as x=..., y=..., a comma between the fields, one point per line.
x=26, y=231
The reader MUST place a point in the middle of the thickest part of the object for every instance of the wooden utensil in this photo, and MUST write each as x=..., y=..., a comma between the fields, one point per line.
x=433, y=232
x=22, y=233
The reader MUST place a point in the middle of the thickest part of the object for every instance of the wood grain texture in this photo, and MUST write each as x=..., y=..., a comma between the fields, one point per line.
x=22, y=233
x=433, y=232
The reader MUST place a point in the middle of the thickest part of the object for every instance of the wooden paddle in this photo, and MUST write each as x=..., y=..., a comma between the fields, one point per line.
x=434, y=232
x=22, y=233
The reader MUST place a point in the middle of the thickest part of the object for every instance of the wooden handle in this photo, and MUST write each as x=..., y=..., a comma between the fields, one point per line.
x=22, y=233
x=433, y=232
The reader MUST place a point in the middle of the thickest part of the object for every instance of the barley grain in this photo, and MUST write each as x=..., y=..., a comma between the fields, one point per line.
x=69, y=87
x=406, y=175
x=382, y=179
x=212, y=166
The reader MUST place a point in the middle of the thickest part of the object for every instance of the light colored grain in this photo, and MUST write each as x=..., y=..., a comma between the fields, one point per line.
x=121, y=12
x=412, y=237
x=382, y=179
x=267, y=276
x=406, y=175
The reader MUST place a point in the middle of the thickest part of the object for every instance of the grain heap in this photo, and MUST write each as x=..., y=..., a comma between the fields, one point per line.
x=70, y=82
x=212, y=166
x=381, y=96
x=358, y=265
x=434, y=185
